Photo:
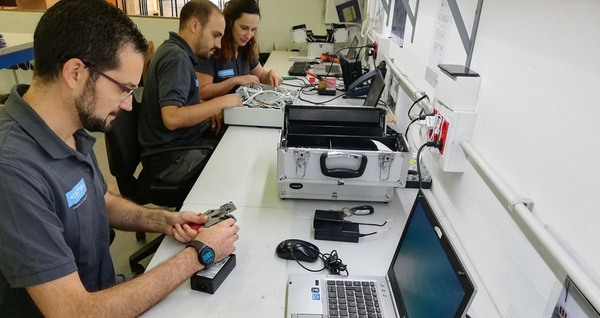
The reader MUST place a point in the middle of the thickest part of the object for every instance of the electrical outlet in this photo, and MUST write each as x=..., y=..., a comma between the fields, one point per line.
x=439, y=131
x=562, y=312
x=452, y=127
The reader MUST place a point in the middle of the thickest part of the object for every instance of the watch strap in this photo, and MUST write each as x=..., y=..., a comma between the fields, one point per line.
x=206, y=255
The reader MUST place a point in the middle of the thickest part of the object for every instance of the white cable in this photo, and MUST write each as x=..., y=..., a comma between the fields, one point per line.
x=248, y=94
x=368, y=23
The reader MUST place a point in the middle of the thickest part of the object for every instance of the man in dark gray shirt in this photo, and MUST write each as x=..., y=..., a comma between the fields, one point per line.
x=55, y=209
x=171, y=112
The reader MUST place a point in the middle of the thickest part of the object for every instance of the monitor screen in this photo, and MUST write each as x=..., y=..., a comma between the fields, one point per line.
x=426, y=275
x=351, y=69
x=375, y=89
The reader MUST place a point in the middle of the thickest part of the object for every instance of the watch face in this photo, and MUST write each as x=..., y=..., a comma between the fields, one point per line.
x=208, y=255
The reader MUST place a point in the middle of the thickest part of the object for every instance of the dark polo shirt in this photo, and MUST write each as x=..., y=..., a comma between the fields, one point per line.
x=171, y=81
x=221, y=72
x=53, y=218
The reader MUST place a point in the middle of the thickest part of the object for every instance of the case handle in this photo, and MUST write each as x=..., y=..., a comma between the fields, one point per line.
x=340, y=172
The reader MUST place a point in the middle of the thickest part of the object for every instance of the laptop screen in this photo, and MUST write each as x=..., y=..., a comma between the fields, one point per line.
x=375, y=90
x=426, y=275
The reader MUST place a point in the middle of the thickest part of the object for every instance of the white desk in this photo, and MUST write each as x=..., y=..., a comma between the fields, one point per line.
x=243, y=170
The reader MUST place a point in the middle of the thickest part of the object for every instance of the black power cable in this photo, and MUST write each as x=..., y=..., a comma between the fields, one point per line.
x=331, y=262
x=416, y=102
x=435, y=144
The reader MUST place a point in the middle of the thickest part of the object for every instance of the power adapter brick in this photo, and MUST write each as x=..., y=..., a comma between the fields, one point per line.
x=330, y=226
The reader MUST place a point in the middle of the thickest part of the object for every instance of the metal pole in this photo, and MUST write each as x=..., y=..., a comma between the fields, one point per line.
x=553, y=254
x=474, y=34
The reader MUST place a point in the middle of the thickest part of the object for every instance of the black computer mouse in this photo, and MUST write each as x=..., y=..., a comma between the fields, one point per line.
x=302, y=250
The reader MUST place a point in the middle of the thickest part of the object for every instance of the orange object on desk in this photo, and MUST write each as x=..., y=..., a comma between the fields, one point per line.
x=326, y=57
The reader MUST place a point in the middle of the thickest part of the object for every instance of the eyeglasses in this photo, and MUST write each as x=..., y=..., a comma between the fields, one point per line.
x=127, y=91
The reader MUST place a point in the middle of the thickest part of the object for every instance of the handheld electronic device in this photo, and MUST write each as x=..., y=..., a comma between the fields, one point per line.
x=216, y=215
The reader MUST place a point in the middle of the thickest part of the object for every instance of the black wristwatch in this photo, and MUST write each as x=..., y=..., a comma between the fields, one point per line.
x=206, y=255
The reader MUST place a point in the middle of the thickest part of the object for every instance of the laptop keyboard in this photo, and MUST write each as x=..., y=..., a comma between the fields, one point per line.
x=298, y=68
x=352, y=299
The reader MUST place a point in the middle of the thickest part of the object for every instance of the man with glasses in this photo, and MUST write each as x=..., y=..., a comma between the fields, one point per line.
x=55, y=210
x=127, y=91
x=171, y=112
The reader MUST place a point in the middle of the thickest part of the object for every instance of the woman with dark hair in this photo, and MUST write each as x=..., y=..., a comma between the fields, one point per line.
x=236, y=63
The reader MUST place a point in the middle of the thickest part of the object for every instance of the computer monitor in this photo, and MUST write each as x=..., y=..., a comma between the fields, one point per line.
x=351, y=68
x=427, y=276
x=375, y=89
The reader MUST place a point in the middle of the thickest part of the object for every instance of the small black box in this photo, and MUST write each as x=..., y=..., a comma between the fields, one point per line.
x=330, y=225
x=347, y=232
x=209, y=279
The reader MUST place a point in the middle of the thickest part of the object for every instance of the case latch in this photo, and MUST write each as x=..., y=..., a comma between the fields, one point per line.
x=301, y=161
x=385, y=164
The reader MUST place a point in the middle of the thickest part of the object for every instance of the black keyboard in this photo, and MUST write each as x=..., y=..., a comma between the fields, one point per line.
x=352, y=299
x=298, y=68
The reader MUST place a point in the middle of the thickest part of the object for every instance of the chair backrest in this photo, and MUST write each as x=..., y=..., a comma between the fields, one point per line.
x=124, y=156
x=123, y=152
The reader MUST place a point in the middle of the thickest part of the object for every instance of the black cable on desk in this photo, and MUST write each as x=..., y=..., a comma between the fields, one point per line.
x=331, y=262
x=314, y=102
x=334, y=264
x=436, y=144
x=408, y=126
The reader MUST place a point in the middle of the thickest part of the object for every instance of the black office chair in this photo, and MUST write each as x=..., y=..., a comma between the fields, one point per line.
x=124, y=156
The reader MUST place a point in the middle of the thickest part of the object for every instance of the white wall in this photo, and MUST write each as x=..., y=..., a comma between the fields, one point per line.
x=279, y=16
x=536, y=121
x=16, y=22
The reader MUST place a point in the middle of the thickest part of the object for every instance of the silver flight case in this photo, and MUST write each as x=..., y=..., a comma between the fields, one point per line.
x=339, y=153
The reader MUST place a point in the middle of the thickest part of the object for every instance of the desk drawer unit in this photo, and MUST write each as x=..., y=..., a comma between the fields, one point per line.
x=323, y=154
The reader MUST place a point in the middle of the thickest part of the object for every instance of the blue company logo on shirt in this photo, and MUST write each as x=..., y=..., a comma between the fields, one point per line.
x=225, y=73
x=77, y=193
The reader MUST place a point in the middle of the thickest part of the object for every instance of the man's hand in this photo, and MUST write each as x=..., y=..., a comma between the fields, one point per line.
x=220, y=237
x=229, y=101
x=216, y=122
x=180, y=228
